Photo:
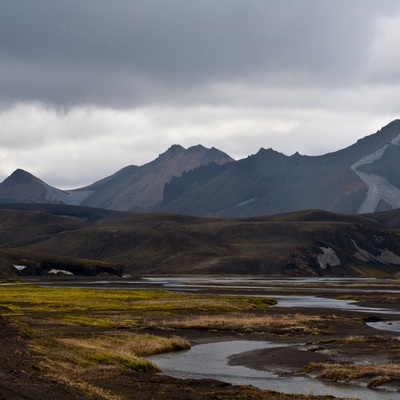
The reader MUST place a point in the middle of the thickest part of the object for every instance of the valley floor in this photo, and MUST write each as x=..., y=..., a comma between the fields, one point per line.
x=38, y=340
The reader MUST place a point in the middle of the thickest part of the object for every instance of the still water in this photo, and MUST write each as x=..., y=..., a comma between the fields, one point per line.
x=211, y=361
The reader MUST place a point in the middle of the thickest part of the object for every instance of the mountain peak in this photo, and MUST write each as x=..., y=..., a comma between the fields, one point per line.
x=21, y=186
x=197, y=147
x=19, y=176
x=175, y=149
x=21, y=172
x=270, y=152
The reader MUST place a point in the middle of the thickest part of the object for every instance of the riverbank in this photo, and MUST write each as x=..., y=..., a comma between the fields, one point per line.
x=42, y=320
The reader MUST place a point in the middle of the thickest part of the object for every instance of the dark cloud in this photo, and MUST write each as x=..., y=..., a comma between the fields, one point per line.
x=88, y=87
x=67, y=53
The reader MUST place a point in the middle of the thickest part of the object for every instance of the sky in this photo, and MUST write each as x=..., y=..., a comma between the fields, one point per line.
x=88, y=87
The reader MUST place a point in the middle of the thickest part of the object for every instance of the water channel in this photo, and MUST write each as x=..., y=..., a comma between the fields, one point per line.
x=212, y=360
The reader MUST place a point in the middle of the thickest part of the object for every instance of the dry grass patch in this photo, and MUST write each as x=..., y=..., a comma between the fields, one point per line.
x=78, y=377
x=131, y=345
x=356, y=339
x=78, y=361
x=290, y=323
x=90, y=391
x=378, y=373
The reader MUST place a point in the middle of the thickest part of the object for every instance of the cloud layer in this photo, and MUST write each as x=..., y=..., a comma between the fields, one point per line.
x=89, y=87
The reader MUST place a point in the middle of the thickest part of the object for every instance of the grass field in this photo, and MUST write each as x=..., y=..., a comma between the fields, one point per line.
x=86, y=337
x=85, y=333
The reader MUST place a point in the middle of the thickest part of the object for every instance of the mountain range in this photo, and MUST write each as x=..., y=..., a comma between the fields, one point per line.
x=131, y=188
x=361, y=178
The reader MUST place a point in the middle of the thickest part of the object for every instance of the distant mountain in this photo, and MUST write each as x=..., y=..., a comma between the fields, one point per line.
x=359, y=179
x=362, y=178
x=36, y=239
x=23, y=187
x=131, y=188
x=141, y=188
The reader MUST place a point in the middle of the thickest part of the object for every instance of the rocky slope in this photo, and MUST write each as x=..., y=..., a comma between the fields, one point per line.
x=132, y=188
x=361, y=178
x=141, y=188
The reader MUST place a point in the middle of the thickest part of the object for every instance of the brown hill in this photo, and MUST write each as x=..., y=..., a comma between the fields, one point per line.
x=312, y=243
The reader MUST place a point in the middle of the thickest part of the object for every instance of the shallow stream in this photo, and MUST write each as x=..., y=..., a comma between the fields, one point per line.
x=211, y=361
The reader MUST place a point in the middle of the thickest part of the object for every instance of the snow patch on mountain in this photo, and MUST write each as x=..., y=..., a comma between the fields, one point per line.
x=329, y=257
x=385, y=257
x=243, y=203
x=59, y=272
x=378, y=187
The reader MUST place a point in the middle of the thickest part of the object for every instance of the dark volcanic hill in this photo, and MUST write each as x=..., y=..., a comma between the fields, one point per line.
x=361, y=178
x=131, y=188
x=88, y=241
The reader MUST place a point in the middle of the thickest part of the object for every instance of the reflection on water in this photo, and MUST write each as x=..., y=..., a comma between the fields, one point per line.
x=309, y=284
x=392, y=326
x=210, y=361
x=318, y=302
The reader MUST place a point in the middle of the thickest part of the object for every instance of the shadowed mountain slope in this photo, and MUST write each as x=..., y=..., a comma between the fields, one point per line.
x=92, y=241
x=361, y=178
x=140, y=188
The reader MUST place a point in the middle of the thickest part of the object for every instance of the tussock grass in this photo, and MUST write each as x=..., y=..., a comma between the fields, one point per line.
x=288, y=323
x=77, y=361
x=64, y=374
x=379, y=373
x=356, y=339
x=131, y=363
x=130, y=344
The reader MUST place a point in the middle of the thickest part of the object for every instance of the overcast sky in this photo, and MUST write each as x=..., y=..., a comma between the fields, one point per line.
x=90, y=86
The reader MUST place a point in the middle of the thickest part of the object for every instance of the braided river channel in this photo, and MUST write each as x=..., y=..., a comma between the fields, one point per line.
x=213, y=360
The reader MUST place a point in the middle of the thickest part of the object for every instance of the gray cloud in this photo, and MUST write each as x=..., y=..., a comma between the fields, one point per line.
x=140, y=52
x=87, y=87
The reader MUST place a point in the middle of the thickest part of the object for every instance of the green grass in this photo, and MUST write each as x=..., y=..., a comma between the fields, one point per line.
x=72, y=304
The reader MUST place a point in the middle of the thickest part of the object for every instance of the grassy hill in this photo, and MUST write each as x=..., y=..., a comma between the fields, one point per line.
x=88, y=241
